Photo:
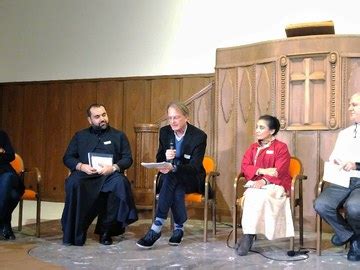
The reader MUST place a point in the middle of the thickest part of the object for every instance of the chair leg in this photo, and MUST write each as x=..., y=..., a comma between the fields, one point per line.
x=172, y=224
x=301, y=225
x=235, y=217
x=292, y=207
x=38, y=220
x=318, y=234
x=214, y=217
x=206, y=206
x=301, y=214
x=20, y=215
x=154, y=208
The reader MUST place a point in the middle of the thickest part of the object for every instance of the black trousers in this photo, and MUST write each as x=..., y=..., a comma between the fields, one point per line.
x=87, y=196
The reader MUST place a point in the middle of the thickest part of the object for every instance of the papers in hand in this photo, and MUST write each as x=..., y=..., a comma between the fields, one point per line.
x=98, y=160
x=156, y=165
x=249, y=184
x=334, y=173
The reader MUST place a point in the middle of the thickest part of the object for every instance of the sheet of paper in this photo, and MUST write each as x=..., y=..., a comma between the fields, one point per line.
x=98, y=160
x=155, y=165
x=334, y=174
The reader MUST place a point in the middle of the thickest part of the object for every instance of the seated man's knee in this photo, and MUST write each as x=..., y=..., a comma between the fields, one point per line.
x=321, y=205
x=72, y=183
x=353, y=210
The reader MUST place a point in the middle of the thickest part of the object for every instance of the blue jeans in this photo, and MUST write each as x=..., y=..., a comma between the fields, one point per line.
x=10, y=194
x=172, y=196
x=335, y=197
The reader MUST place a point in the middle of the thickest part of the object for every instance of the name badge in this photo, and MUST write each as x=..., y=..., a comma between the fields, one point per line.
x=270, y=152
x=107, y=142
x=187, y=156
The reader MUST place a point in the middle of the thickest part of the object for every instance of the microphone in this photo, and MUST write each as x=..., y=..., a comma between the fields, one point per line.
x=171, y=147
x=292, y=253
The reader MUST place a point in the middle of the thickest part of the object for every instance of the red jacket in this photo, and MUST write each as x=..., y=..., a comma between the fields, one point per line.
x=276, y=155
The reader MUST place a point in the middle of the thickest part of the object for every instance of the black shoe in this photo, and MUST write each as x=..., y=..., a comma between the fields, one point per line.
x=105, y=239
x=243, y=246
x=335, y=240
x=176, y=237
x=354, y=251
x=149, y=239
x=8, y=233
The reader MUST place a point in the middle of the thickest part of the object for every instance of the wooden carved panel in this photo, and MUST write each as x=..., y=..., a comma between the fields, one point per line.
x=245, y=107
x=225, y=131
x=265, y=89
x=351, y=84
x=309, y=91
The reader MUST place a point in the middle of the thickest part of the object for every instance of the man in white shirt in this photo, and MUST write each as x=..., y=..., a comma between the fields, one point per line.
x=346, y=154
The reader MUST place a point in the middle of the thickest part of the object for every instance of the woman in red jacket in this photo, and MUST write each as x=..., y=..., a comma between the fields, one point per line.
x=266, y=208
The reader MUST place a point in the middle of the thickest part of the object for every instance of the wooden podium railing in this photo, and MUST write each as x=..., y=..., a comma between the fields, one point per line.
x=201, y=106
x=145, y=150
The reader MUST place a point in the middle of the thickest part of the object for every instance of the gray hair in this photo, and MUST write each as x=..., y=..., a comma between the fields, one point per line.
x=180, y=106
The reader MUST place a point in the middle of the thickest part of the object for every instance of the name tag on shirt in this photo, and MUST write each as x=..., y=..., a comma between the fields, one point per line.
x=270, y=152
x=107, y=142
x=187, y=156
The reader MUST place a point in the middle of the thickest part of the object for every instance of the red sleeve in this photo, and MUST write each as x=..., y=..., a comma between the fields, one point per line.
x=282, y=162
x=247, y=164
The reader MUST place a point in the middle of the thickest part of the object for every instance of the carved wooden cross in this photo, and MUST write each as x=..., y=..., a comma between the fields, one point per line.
x=307, y=77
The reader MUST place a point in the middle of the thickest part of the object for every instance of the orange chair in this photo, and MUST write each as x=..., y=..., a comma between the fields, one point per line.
x=296, y=198
x=32, y=189
x=210, y=181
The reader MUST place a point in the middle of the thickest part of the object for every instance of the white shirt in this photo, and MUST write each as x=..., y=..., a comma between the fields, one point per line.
x=347, y=148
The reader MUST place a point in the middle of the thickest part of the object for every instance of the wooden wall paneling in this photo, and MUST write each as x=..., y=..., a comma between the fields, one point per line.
x=265, y=89
x=351, y=84
x=245, y=108
x=203, y=118
x=308, y=150
x=34, y=130
x=12, y=109
x=136, y=109
x=83, y=94
x=57, y=134
x=225, y=132
x=163, y=91
x=111, y=94
x=288, y=137
x=327, y=144
x=145, y=151
x=191, y=85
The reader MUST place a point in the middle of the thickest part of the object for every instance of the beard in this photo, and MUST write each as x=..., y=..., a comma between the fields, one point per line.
x=101, y=126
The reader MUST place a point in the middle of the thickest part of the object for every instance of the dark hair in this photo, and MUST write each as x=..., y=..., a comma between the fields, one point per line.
x=272, y=121
x=94, y=105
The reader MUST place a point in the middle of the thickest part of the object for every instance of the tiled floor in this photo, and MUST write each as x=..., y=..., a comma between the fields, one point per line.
x=191, y=254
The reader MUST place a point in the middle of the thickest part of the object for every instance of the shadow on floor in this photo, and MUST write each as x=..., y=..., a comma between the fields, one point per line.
x=191, y=254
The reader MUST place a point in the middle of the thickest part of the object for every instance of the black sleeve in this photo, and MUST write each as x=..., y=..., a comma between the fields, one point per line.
x=5, y=143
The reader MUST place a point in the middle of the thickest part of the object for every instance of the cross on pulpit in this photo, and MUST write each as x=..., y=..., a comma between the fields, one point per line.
x=308, y=76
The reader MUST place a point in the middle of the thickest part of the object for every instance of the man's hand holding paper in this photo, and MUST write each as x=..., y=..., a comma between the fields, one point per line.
x=339, y=173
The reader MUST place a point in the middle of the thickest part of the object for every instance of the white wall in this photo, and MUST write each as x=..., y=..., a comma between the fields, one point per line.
x=73, y=39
